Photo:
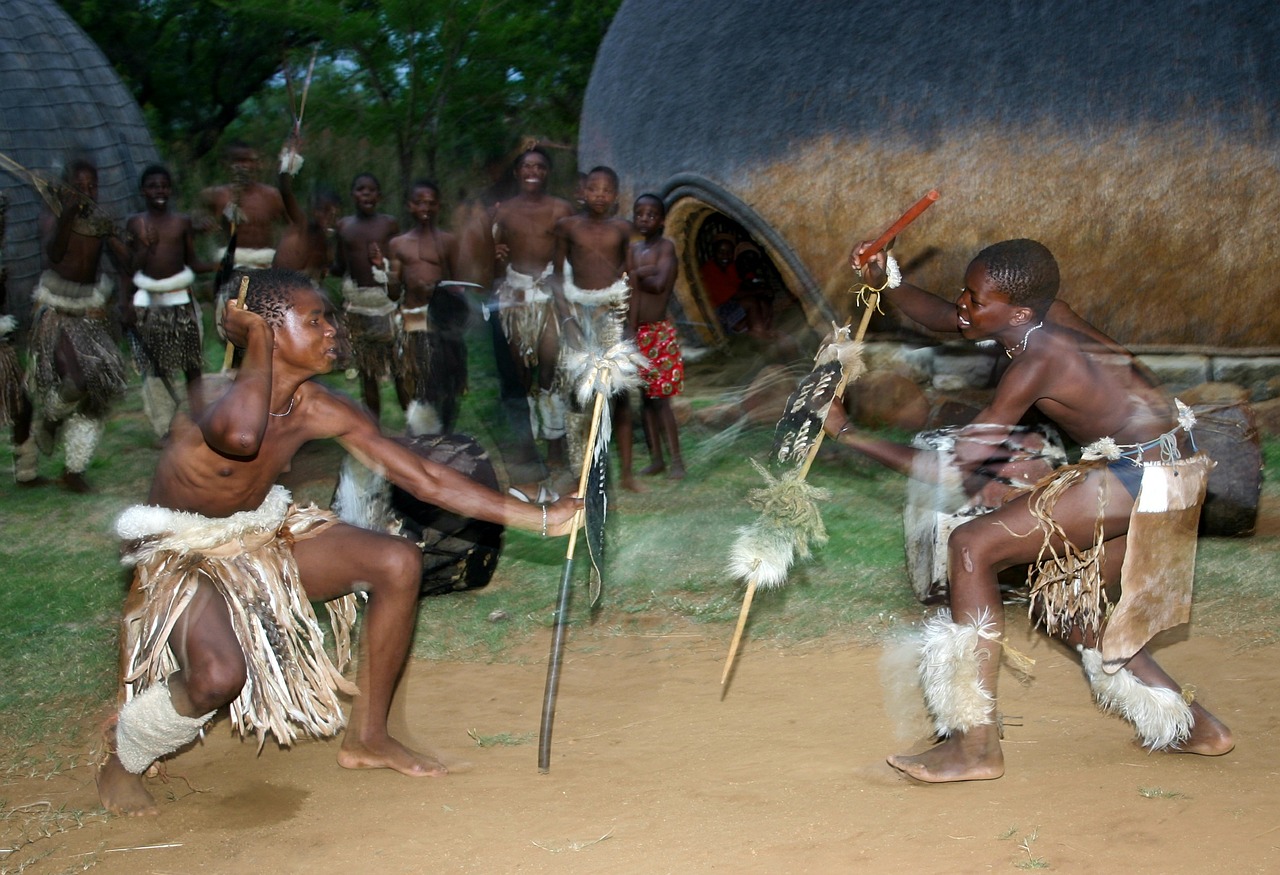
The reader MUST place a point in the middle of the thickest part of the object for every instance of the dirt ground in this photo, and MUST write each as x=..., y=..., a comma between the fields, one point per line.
x=654, y=771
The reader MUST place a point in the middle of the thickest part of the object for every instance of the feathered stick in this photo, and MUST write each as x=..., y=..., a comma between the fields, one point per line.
x=789, y=519
x=598, y=375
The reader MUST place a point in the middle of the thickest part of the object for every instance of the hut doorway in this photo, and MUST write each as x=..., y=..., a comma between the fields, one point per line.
x=753, y=286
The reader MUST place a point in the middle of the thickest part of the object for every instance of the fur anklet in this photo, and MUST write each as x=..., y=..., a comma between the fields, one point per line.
x=1161, y=716
x=949, y=673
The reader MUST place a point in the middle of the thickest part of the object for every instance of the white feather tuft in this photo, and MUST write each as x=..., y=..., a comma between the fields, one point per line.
x=422, y=418
x=763, y=552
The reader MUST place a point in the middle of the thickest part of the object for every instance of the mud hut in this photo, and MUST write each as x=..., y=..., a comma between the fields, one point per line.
x=60, y=100
x=1137, y=139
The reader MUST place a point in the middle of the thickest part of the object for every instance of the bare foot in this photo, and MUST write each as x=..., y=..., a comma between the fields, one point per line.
x=121, y=792
x=32, y=484
x=975, y=756
x=655, y=468
x=632, y=485
x=389, y=754
x=677, y=471
x=1210, y=737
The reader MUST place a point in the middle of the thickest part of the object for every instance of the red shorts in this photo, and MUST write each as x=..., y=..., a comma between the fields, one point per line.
x=665, y=375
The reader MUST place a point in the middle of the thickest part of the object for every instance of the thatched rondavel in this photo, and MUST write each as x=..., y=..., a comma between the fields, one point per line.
x=60, y=100
x=1138, y=140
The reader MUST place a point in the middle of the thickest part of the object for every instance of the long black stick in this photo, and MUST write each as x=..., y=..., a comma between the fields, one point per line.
x=562, y=606
x=553, y=668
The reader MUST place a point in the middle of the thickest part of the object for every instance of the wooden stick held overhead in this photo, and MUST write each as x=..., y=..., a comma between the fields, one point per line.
x=903, y=221
x=231, y=347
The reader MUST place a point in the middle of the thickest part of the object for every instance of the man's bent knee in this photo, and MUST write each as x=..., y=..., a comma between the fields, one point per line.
x=210, y=687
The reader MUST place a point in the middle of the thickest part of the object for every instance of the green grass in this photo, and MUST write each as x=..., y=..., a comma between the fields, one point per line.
x=666, y=552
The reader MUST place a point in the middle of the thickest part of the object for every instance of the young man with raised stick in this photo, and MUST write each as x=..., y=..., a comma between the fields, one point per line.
x=226, y=565
x=1128, y=503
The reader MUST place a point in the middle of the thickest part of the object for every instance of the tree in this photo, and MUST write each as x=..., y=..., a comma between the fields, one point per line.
x=191, y=64
x=445, y=81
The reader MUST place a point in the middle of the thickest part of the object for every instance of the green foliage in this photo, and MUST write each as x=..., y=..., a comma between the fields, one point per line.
x=441, y=87
x=190, y=64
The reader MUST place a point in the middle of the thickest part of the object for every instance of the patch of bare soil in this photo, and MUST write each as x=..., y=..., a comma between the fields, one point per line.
x=653, y=771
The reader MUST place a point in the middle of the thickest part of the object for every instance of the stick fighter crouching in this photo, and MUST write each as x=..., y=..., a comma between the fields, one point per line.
x=1076, y=528
x=226, y=564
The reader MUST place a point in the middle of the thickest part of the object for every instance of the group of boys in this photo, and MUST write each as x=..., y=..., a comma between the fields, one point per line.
x=76, y=372
x=580, y=280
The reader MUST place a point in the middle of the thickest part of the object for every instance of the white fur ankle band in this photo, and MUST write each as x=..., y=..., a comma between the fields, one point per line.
x=950, y=661
x=150, y=727
x=1161, y=716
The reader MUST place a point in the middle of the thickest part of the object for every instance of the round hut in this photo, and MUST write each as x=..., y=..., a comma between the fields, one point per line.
x=59, y=100
x=1138, y=140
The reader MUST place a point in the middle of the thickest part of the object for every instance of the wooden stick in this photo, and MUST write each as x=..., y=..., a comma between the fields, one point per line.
x=903, y=221
x=231, y=347
x=742, y=624
x=872, y=299
x=562, y=603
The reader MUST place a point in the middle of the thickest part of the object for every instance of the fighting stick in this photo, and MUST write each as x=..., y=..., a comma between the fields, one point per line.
x=562, y=604
x=231, y=347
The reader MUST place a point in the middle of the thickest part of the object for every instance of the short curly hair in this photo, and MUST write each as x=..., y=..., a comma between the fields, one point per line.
x=1025, y=270
x=270, y=292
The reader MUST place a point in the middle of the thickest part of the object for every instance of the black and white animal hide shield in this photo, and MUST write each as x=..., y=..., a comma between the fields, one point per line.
x=595, y=507
x=801, y=422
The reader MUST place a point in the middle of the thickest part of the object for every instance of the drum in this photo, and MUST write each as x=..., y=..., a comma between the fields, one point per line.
x=1229, y=434
x=940, y=498
x=458, y=553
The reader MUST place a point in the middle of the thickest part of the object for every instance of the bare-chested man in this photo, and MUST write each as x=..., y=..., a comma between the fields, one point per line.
x=254, y=209
x=78, y=370
x=433, y=355
x=219, y=612
x=1091, y=389
x=157, y=306
x=525, y=243
x=363, y=240
x=306, y=242
x=651, y=271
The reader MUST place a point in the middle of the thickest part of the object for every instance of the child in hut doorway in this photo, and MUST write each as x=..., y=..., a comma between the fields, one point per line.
x=721, y=282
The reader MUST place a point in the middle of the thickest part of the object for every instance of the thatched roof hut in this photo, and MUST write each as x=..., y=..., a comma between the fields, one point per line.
x=60, y=100
x=1137, y=139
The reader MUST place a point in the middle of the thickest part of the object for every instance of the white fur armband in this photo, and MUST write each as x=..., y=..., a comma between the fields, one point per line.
x=893, y=272
x=7, y=324
x=379, y=275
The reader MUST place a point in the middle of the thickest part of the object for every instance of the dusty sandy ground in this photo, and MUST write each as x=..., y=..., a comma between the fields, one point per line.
x=653, y=771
